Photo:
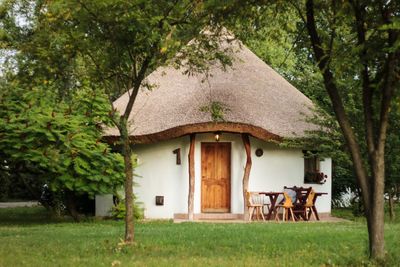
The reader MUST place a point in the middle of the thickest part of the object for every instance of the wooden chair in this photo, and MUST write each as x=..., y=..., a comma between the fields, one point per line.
x=255, y=204
x=304, y=193
x=301, y=193
x=287, y=207
x=308, y=206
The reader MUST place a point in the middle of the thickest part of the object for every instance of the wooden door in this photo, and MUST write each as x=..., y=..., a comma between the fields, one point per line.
x=215, y=177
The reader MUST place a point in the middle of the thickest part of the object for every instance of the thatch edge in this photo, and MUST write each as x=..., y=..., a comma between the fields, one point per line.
x=204, y=127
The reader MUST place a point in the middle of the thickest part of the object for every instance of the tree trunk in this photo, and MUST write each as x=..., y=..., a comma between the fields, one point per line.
x=71, y=205
x=376, y=218
x=391, y=206
x=127, y=153
x=191, y=177
x=246, y=175
x=360, y=204
x=24, y=174
x=372, y=189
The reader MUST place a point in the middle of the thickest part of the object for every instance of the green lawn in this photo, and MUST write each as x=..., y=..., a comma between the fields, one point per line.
x=29, y=238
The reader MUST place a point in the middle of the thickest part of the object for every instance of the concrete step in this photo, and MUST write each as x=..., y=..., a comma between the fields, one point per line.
x=210, y=216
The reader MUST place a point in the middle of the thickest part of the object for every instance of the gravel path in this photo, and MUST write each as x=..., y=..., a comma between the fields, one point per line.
x=18, y=204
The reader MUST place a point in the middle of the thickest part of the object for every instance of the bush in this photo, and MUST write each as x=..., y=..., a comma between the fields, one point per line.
x=119, y=212
x=4, y=185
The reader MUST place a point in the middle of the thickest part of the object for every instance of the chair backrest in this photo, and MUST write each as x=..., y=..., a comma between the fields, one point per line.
x=287, y=203
x=310, y=199
x=253, y=198
x=248, y=198
x=304, y=192
x=292, y=188
x=291, y=193
x=307, y=190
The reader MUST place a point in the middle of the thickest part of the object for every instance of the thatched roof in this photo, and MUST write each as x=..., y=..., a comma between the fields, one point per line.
x=256, y=100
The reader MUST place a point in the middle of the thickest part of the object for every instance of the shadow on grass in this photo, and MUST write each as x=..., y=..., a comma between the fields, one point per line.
x=30, y=216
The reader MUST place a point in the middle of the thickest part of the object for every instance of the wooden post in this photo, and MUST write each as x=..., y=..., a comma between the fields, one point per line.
x=246, y=175
x=191, y=177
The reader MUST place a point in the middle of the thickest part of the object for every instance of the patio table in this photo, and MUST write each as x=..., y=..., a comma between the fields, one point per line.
x=273, y=197
x=317, y=194
x=301, y=198
x=301, y=203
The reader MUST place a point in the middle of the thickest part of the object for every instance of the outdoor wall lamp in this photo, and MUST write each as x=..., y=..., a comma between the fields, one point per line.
x=217, y=136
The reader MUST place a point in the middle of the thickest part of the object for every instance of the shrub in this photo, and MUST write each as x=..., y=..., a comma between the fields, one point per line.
x=118, y=211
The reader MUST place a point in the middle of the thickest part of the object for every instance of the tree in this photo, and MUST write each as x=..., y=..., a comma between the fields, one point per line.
x=373, y=30
x=355, y=46
x=49, y=120
x=47, y=142
x=281, y=40
x=392, y=168
x=118, y=43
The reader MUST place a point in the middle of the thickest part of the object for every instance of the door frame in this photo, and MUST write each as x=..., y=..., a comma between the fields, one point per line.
x=229, y=179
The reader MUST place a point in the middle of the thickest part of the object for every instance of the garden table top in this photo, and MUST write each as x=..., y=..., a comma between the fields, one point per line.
x=273, y=197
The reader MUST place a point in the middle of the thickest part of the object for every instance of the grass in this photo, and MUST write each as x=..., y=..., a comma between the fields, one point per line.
x=347, y=213
x=28, y=237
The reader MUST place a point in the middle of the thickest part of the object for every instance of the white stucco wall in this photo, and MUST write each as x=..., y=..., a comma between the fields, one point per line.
x=159, y=174
x=103, y=205
x=279, y=167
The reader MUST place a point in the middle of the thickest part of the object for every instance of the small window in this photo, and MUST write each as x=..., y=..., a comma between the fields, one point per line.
x=311, y=168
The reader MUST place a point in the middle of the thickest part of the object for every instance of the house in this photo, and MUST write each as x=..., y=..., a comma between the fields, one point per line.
x=201, y=141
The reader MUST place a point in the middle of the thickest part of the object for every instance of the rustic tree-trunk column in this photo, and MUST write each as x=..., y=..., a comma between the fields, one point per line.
x=246, y=175
x=191, y=177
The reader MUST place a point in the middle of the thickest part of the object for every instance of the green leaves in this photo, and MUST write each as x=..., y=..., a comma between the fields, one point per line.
x=60, y=139
x=217, y=110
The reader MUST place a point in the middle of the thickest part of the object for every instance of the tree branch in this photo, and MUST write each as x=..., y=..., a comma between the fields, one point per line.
x=145, y=66
x=294, y=4
x=389, y=81
x=333, y=32
x=136, y=86
x=337, y=104
x=359, y=12
x=292, y=47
